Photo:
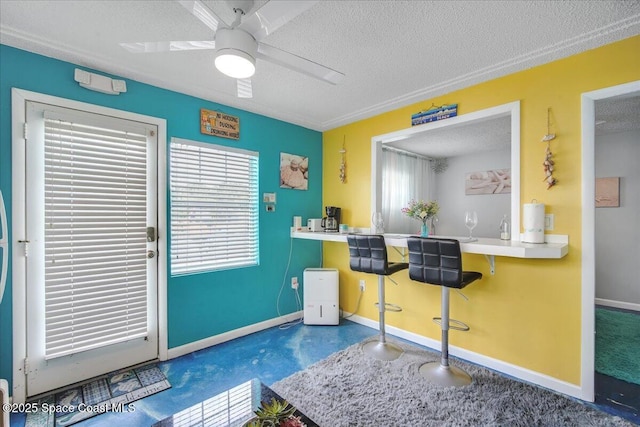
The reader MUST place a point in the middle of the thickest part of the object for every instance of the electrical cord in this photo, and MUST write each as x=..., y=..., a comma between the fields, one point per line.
x=298, y=320
x=298, y=300
x=357, y=306
x=284, y=278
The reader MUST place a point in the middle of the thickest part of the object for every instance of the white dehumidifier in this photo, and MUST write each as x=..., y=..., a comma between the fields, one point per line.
x=321, y=295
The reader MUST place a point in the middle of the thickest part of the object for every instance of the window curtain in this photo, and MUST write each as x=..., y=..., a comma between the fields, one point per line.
x=405, y=176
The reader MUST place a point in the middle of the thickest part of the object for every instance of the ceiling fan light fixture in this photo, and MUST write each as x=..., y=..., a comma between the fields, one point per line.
x=235, y=63
x=236, y=53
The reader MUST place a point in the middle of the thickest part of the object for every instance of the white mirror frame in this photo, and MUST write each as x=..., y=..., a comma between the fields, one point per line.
x=511, y=109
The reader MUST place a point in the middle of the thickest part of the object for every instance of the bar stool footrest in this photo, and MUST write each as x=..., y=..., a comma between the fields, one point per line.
x=390, y=307
x=453, y=324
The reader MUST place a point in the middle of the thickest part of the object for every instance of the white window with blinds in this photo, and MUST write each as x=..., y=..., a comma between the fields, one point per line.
x=214, y=207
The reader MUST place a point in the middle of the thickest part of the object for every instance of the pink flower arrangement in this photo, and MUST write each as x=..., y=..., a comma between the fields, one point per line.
x=421, y=210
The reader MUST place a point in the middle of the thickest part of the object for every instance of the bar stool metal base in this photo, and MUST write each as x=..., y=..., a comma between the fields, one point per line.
x=382, y=350
x=445, y=376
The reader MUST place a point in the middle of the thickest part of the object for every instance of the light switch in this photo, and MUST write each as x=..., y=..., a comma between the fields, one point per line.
x=269, y=197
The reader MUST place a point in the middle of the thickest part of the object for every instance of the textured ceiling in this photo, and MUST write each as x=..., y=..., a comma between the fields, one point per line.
x=618, y=114
x=393, y=53
x=475, y=137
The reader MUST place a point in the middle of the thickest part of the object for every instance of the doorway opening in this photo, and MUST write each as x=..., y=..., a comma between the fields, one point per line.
x=592, y=103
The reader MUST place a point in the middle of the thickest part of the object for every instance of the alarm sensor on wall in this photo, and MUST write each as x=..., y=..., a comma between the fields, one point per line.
x=99, y=83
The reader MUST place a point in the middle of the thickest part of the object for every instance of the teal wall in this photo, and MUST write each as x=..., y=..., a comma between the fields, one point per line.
x=200, y=305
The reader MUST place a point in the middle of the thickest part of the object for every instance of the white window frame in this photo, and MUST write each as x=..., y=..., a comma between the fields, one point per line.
x=19, y=97
x=224, y=241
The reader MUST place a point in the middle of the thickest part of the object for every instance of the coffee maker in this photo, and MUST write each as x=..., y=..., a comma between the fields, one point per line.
x=331, y=222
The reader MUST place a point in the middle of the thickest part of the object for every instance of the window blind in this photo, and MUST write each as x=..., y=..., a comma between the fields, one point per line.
x=232, y=407
x=214, y=207
x=95, y=235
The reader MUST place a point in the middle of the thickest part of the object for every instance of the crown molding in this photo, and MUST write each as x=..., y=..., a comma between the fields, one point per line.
x=616, y=31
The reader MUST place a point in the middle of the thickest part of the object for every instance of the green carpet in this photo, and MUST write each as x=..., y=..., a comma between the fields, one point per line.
x=618, y=344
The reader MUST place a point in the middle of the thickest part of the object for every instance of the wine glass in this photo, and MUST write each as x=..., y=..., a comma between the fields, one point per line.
x=377, y=222
x=470, y=221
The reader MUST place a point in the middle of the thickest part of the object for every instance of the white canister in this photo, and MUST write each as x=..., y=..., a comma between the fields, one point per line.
x=297, y=222
x=533, y=219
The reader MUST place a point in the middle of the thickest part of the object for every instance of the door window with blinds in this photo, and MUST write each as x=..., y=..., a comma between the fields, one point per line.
x=95, y=198
x=214, y=207
x=91, y=197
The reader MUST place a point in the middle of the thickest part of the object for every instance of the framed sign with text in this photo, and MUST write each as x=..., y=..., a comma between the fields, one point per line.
x=219, y=124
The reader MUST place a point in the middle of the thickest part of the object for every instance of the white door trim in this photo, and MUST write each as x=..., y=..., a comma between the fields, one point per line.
x=588, y=231
x=19, y=98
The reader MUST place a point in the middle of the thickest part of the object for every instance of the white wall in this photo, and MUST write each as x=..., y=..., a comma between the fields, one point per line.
x=450, y=193
x=618, y=229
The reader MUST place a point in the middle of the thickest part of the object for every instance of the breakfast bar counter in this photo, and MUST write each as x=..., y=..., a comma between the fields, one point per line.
x=555, y=247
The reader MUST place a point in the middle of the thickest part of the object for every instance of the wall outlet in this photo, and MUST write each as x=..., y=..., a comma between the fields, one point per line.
x=548, y=222
x=363, y=285
x=294, y=283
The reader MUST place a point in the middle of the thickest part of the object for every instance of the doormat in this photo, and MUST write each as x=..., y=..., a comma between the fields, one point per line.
x=618, y=344
x=113, y=392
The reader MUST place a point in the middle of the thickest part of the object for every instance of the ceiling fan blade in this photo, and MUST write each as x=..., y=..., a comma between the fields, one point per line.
x=272, y=16
x=203, y=13
x=297, y=63
x=244, y=88
x=150, y=47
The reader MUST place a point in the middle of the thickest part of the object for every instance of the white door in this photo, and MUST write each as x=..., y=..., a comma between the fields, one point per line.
x=91, y=251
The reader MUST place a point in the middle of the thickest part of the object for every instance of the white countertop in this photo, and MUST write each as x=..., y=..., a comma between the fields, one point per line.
x=557, y=246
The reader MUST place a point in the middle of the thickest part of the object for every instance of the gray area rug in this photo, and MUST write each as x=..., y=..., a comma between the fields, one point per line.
x=351, y=389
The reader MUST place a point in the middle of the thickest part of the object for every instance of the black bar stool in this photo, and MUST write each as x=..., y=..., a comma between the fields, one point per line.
x=439, y=262
x=368, y=254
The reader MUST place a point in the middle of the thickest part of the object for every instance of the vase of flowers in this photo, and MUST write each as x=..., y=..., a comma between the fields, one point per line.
x=423, y=211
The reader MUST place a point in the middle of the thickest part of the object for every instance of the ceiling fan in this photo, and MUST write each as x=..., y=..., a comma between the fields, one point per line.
x=238, y=45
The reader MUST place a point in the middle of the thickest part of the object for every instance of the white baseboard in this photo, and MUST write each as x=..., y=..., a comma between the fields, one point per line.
x=469, y=356
x=228, y=336
x=618, y=304
x=479, y=359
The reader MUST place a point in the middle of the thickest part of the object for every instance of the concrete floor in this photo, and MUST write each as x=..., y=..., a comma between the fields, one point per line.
x=274, y=354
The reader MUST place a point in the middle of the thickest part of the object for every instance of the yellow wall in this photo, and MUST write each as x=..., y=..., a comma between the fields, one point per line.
x=528, y=313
